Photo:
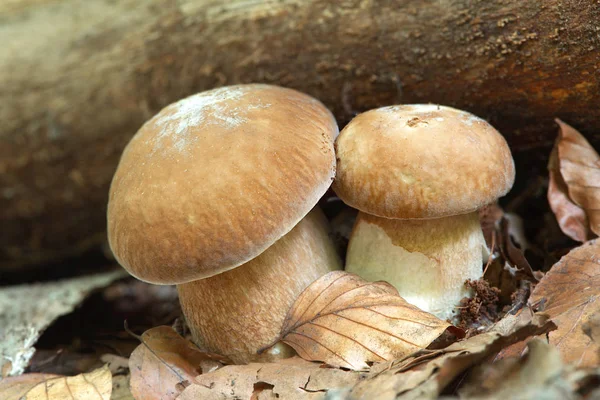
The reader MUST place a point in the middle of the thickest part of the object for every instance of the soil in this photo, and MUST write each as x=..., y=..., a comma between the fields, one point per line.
x=480, y=310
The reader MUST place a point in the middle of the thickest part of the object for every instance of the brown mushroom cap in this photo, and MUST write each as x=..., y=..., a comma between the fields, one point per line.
x=421, y=161
x=213, y=180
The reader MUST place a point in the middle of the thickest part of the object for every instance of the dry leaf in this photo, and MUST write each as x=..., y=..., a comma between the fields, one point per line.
x=345, y=321
x=22, y=322
x=569, y=295
x=95, y=385
x=574, y=187
x=290, y=379
x=165, y=363
x=17, y=386
x=541, y=375
x=514, y=350
x=424, y=375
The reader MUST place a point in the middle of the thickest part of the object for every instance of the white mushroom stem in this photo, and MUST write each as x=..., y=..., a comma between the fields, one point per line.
x=242, y=310
x=428, y=261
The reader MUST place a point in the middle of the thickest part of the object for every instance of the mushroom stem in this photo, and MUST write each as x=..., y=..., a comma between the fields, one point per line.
x=242, y=310
x=427, y=260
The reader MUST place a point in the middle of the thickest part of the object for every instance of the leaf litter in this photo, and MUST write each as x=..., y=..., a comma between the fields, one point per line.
x=346, y=321
x=574, y=187
x=570, y=295
x=540, y=375
x=428, y=373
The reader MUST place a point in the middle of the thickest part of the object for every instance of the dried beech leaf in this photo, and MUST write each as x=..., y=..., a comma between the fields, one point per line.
x=571, y=218
x=290, y=379
x=569, y=294
x=18, y=386
x=95, y=385
x=345, y=321
x=165, y=363
x=574, y=187
x=541, y=375
x=426, y=374
x=514, y=350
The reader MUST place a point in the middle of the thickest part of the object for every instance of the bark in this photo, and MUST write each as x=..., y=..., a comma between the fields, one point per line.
x=79, y=77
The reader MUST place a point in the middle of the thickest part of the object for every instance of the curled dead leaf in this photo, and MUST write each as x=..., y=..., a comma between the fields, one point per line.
x=541, y=375
x=345, y=321
x=574, y=187
x=570, y=295
x=95, y=385
x=166, y=363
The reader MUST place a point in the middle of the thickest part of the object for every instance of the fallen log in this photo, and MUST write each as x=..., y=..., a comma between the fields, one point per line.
x=79, y=78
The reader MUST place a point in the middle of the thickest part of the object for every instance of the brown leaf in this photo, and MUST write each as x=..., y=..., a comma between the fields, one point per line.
x=346, y=321
x=165, y=363
x=514, y=350
x=17, y=386
x=571, y=218
x=573, y=190
x=541, y=375
x=290, y=379
x=569, y=294
x=426, y=374
x=95, y=385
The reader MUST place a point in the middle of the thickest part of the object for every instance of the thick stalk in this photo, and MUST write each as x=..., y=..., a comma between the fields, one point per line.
x=240, y=311
x=428, y=261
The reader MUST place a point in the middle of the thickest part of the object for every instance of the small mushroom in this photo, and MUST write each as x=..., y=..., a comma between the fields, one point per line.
x=214, y=194
x=418, y=174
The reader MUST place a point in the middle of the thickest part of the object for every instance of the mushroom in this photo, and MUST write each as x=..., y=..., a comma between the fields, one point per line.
x=214, y=194
x=417, y=174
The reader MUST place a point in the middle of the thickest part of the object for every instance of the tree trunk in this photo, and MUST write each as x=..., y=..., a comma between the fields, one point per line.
x=79, y=77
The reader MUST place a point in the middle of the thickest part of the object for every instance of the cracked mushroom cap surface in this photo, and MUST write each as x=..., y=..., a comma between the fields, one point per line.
x=421, y=161
x=213, y=180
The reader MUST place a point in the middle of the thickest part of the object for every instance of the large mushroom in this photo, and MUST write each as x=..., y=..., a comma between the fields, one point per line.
x=418, y=174
x=214, y=194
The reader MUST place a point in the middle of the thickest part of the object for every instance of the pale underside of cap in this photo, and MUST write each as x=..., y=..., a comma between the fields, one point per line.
x=421, y=161
x=213, y=180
